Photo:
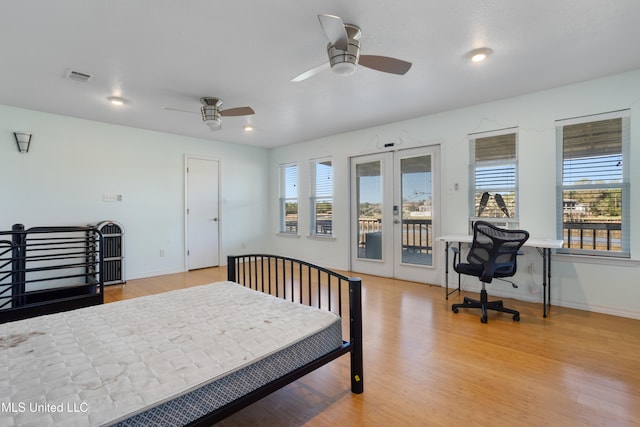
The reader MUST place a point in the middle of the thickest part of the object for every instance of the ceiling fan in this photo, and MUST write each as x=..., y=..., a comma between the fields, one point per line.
x=344, y=52
x=212, y=114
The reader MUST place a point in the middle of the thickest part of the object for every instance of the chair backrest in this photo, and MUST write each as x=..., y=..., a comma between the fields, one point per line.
x=495, y=249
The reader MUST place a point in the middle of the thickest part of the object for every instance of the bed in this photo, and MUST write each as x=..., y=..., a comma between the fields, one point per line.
x=187, y=357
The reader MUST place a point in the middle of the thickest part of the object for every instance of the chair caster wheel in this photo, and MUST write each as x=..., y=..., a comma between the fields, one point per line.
x=483, y=319
x=516, y=317
x=454, y=309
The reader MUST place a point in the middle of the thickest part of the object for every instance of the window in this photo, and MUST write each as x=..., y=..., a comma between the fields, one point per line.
x=321, y=174
x=289, y=198
x=494, y=176
x=593, y=186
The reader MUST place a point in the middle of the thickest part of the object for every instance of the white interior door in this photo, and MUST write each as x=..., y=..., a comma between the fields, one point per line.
x=202, y=213
x=395, y=205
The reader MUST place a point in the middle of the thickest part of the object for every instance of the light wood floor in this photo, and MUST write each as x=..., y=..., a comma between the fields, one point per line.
x=426, y=366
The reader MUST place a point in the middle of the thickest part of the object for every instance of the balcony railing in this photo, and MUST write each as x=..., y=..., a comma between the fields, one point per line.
x=601, y=236
x=417, y=234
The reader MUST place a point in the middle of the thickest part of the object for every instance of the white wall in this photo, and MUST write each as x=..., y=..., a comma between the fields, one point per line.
x=608, y=287
x=73, y=162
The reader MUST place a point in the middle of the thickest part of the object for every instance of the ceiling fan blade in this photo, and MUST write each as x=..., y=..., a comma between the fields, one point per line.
x=240, y=111
x=310, y=73
x=179, y=110
x=385, y=64
x=333, y=28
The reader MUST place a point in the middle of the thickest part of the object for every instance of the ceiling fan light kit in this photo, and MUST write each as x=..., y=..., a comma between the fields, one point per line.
x=211, y=116
x=210, y=112
x=345, y=62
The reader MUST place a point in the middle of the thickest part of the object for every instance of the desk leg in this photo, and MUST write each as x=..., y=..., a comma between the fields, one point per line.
x=544, y=282
x=446, y=271
x=459, y=276
x=546, y=279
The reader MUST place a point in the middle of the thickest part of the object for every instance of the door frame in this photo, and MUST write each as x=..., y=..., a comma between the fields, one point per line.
x=421, y=273
x=187, y=157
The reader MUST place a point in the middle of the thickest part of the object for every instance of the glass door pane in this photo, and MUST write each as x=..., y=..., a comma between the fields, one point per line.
x=394, y=205
x=369, y=205
x=416, y=239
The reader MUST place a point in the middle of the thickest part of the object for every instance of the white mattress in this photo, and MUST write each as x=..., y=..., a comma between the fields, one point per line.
x=103, y=364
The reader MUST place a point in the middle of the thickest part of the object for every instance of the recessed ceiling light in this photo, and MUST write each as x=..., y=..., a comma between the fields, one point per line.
x=116, y=100
x=479, y=55
x=248, y=128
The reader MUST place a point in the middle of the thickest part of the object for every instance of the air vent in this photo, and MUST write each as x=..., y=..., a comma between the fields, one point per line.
x=78, y=76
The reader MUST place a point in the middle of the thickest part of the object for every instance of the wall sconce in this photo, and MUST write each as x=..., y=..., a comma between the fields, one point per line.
x=23, y=140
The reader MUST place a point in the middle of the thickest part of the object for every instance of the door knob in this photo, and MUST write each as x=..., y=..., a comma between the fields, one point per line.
x=214, y=219
x=396, y=221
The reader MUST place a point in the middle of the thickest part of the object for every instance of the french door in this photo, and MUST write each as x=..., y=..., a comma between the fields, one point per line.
x=394, y=222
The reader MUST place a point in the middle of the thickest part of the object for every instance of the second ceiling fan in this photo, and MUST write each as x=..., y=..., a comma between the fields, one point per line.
x=212, y=114
x=344, y=52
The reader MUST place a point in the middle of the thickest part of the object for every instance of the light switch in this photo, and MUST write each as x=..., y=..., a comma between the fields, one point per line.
x=111, y=197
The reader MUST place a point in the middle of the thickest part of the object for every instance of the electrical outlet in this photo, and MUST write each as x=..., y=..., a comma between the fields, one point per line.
x=161, y=252
x=530, y=267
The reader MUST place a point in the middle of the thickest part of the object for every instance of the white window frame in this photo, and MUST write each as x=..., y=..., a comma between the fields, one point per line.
x=288, y=194
x=512, y=221
x=624, y=186
x=319, y=191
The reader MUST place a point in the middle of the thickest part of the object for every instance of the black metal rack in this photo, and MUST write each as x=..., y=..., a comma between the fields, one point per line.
x=49, y=269
x=113, y=235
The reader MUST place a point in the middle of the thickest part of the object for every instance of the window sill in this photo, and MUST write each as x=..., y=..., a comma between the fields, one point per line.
x=321, y=237
x=599, y=260
x=288, y=235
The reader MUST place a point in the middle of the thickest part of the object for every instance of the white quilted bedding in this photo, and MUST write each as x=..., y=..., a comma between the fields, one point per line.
x=100, y=364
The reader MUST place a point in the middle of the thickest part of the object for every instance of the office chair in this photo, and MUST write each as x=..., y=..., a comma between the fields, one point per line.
x=492, y=255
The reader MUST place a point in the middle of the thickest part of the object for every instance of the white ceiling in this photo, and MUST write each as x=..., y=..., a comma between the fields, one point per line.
x=169, y=53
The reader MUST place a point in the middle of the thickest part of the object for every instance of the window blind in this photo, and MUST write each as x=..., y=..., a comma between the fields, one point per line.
x=290, y=189
x=592, y=152
x=495, y=162
x=323, y=179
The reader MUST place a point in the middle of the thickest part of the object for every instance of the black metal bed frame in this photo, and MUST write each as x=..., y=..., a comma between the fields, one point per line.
x=46, y=270
x=75, y=254
x=308, y=284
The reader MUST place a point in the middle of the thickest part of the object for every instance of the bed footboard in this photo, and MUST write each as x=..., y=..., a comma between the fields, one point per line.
x=308, y=284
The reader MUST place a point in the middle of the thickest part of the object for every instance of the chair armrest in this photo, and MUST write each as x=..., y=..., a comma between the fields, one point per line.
x=456, y=252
